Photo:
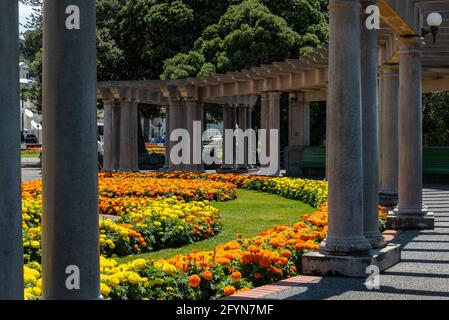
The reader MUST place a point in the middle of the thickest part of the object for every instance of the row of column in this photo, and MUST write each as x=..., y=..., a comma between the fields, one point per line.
x=352, y=133
x=120, y=136
x=185, y=114
x=238, y=117
x=70, y=234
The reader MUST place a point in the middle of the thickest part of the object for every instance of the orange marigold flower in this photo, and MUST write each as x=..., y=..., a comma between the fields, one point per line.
x=286, y=253
x=194, y=280
x=236, y=275
x=207, y=275
x=257, y=275
x=229, y=290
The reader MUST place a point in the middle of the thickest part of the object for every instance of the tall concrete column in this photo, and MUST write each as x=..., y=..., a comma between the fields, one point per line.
x=273, y=123
x=194, y=112
x=249, y=125
x=229, y=122
x=370, y=145
x=344, y=134
x=242, y=111
x=410, y=212
x=200, y=116
x=111, y=157
x=176, y=116
x=167, y=138
x=389, y=123
x=298, y=133
x=11, y=248
x=146, y=130
x=70, y=246
x=129, y=155
x=108, y=154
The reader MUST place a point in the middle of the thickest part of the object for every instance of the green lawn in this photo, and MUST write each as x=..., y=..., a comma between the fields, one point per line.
x=31, y=155
x=250, y=214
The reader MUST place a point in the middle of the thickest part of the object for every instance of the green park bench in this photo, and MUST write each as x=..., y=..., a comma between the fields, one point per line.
x=313, y=157
x=435, y=160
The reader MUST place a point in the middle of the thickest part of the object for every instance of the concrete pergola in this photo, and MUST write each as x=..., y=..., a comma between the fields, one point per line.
x=356, y=73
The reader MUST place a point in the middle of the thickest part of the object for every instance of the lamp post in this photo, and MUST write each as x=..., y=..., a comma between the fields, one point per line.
x=434, y=21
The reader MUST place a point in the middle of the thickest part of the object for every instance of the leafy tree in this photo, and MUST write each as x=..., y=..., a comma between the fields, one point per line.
x=246, y=35
x=436, y=118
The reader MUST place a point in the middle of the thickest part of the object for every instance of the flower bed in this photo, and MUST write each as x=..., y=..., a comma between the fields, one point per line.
x=152, y=148
x=148, y=222
x=231, y=268
x=33, y=152
x=311, y=192
x=157, y=224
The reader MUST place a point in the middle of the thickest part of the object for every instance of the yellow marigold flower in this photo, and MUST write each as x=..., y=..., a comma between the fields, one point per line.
x=105, y=290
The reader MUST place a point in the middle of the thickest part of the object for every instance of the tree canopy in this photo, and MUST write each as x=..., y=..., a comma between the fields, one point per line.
x=249, y=34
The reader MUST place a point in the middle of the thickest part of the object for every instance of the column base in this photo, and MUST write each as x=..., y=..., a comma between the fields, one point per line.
x=226, y=169
x=128, y=170
x=376, y=239
x=397, y=221
x=193, y=168
x=388, y=199
x=246, y=170
x=323, y=264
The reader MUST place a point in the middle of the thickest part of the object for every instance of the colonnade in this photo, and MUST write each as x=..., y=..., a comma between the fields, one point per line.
x=70, y=187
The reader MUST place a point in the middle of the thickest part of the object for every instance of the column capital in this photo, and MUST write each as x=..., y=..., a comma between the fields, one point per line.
x=195, y=100
x=411, y=45
x=108, y=102
x=389, y=71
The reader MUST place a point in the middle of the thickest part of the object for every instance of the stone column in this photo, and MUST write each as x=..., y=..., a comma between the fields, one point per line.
x=249, y=125
x=11, y=248
x=176, y=116
x=200, y=116
x=410, y=212
x=70, y=246
x=370, y=145
x=229, y=122
x=273, y=122
x=194, y=112
x=129, y=155
x=242, y=111
x=390, y=136
x=344, y=134
x=167, y=138
x=146, y=130
x=298, y=133
x=116, y=120
x=108, y=155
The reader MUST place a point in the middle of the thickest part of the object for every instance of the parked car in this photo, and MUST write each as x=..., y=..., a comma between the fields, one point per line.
x=30, y=138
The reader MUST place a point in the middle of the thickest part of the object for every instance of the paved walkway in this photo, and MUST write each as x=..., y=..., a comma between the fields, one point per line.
x=31, y=169
x=422, y=274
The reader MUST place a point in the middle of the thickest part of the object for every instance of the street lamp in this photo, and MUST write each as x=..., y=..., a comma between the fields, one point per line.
x=434, y=21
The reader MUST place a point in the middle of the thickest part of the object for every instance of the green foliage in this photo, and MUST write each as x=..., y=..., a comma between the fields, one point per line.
x=436, y=118
x=183, y=65
x=250, y=33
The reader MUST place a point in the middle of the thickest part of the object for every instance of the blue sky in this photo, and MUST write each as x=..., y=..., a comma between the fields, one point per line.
x=24, y=12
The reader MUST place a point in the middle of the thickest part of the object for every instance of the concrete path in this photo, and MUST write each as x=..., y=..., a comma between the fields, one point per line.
x=422, y=274
x=31, y=169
